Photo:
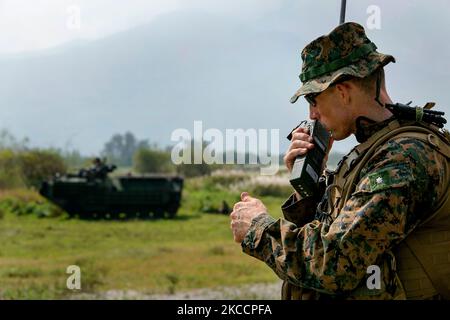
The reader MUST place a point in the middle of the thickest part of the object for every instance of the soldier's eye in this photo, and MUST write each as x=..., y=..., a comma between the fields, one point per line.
x=311, y=98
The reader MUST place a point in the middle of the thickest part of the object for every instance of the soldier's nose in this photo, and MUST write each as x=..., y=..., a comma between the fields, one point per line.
x=313, y=114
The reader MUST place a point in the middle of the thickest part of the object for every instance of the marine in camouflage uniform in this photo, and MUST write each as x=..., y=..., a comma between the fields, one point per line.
x=395, y=191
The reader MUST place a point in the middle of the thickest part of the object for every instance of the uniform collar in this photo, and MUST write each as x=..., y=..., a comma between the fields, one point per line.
x=366, y=127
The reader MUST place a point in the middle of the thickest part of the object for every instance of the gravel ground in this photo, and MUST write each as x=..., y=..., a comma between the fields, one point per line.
x=258, y=291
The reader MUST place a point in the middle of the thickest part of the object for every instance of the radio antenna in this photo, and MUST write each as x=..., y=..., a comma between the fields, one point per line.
x=343, y=6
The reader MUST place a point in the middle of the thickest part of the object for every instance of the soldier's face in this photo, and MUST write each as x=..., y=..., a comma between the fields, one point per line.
x=333, y=113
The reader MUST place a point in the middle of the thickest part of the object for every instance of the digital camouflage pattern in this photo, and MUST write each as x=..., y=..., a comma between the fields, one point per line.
x=396, y=190
x=344, y=51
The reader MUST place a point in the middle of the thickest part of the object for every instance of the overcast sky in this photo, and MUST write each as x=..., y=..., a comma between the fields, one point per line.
x=28, y=25
x=414, y=31
x=37, y=24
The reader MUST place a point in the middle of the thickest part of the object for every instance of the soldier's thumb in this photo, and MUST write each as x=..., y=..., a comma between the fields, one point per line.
x=245, y=196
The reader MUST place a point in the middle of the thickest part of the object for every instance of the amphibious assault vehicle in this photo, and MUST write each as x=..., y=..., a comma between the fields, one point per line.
x=94, y=193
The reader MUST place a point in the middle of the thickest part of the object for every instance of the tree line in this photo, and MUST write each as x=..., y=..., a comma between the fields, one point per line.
x=22, y=165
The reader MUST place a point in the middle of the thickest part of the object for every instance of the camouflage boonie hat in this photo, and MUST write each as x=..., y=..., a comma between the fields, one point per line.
x=344, y=51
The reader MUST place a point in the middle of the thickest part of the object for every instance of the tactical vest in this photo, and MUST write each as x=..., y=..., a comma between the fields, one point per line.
x=423, y=258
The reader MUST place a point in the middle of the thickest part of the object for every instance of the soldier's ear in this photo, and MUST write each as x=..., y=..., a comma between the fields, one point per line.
x=344, y=91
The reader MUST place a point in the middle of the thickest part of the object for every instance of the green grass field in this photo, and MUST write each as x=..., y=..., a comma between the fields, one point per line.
x=194, y=250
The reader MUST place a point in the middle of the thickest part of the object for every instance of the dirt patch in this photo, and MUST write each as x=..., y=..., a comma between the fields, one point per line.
x=257, y=291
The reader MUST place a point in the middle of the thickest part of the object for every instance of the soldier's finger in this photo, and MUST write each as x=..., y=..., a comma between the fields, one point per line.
x=242, y=205
x=301, y=129
x=291, y=155
x=234, y=215
x=300, y=152
x=301, y=136
x=301, y=144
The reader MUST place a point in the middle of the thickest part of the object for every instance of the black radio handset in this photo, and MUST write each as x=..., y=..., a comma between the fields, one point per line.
x=307, y=168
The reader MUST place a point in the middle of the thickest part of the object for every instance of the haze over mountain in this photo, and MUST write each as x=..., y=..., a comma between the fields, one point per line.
x=187, y=65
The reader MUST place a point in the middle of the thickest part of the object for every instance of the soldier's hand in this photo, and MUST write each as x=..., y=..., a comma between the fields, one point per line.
x=243, y=213
x=301, y=142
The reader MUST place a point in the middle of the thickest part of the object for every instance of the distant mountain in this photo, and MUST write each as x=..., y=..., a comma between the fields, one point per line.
x=181, y=67
x=150, y=80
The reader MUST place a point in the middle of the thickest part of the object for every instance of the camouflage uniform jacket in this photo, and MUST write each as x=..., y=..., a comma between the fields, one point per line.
x=332, y=258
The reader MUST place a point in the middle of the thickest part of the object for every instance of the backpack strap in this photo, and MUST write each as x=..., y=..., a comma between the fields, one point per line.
x=424, y=134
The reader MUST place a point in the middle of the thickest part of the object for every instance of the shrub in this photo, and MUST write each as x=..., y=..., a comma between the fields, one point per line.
x=25, y=202
x=194, y=170
x=10, y=170
x=150, y=160
x=28, y=168
x=39, y=165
